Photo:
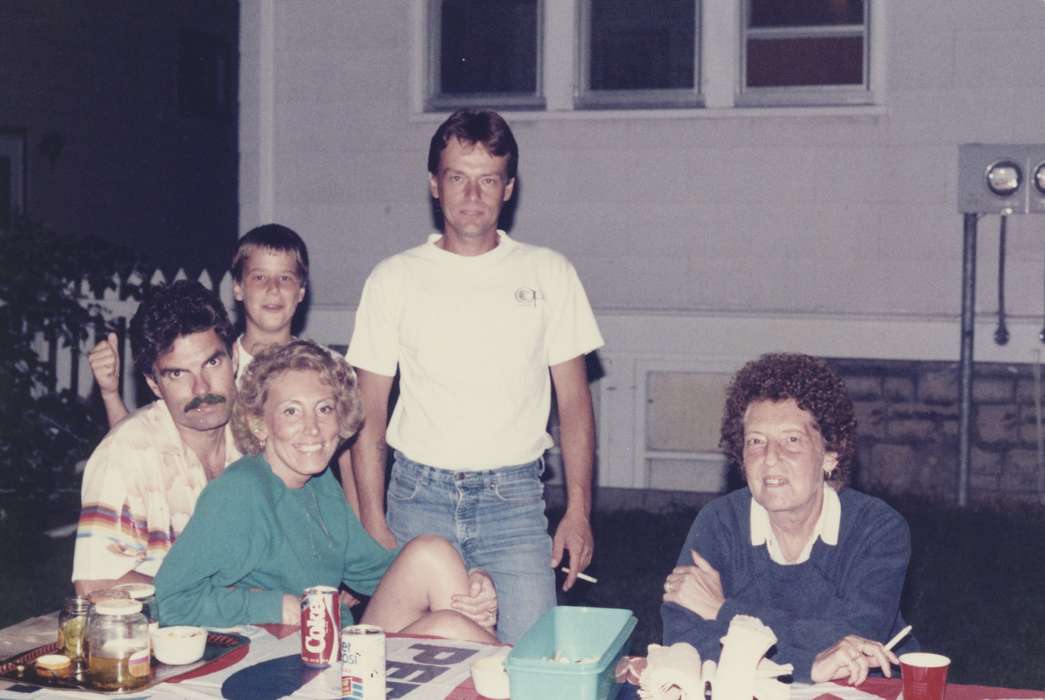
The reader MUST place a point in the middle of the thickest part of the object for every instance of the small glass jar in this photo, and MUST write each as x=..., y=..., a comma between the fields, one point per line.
x=118, y=646
x=98, y=596
x=72, y=628
x=145, y=593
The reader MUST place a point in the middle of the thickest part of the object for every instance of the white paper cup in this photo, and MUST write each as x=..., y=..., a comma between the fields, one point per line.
x=490, y=677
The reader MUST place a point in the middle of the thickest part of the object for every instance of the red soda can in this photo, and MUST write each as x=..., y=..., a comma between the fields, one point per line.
x=320, y=624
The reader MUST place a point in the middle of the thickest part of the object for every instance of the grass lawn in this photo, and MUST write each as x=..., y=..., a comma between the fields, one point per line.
x=975, y=588
x=34, y=569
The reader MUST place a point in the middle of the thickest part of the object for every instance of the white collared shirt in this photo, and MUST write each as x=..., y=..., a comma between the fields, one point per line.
x=245, y=358
x=139, y=490
x=827, y=526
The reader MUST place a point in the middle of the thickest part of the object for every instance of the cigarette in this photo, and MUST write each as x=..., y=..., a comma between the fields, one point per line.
x=896, y=640
x=582, y=576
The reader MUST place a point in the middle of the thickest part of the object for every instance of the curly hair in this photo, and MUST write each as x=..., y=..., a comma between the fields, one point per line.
x=272, y=363
x=169, y=312
x=815, y=388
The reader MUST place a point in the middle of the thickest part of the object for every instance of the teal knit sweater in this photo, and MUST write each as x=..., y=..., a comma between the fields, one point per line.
x=251, y=540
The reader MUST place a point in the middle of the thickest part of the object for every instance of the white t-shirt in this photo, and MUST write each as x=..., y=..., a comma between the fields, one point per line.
x=245, y=358
x=473, y=338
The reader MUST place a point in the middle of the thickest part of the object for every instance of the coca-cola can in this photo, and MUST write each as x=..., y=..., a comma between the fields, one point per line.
x=320, y=624
x=363, y=663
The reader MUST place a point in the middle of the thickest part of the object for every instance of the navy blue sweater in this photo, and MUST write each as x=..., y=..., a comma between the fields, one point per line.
x=851, y=588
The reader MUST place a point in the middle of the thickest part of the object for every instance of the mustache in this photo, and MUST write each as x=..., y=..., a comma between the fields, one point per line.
x=204, y=399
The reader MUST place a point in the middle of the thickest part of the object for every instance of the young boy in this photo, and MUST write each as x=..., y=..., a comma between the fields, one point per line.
x=270, y=277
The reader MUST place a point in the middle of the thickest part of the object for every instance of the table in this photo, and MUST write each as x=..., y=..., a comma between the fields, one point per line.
x=889, y=688
x=420, y=668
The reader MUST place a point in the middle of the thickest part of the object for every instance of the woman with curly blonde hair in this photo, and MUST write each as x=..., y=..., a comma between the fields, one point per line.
x=276, y=522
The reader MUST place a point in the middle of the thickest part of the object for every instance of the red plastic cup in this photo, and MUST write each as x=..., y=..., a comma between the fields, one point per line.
x=924, y=675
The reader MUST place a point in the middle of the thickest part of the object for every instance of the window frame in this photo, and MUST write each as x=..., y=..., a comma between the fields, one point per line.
x=14, y=147
x=218, y=57
x=658, y=98
x=805, y=95
x=719, y=75
x=437, y=101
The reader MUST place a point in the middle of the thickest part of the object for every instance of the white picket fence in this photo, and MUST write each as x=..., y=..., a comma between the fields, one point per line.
x=71, y=367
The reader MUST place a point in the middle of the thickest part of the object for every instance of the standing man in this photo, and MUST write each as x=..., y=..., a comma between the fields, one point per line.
x=141, y=483
x=476, y=322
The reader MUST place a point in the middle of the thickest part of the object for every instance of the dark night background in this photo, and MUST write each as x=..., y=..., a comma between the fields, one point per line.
x=128, y=115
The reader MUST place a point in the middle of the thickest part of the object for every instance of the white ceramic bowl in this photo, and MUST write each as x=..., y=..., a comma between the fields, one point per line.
x=490, y=677
x=178, y=645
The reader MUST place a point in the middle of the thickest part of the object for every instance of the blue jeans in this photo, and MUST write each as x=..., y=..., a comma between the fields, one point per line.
x=495, y=518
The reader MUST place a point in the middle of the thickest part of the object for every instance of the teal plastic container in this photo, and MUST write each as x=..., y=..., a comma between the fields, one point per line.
x=570, y=653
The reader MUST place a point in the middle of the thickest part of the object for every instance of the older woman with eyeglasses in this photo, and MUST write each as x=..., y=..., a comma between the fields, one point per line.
x=822, y=564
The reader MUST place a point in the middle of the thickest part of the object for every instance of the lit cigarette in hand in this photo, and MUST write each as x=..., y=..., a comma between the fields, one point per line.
x=896, y=640
x=582, y=576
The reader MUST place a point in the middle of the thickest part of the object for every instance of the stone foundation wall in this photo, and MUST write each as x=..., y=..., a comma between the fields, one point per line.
x=908, y=430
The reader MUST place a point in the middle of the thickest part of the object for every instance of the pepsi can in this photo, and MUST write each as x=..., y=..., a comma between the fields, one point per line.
x=363, y=662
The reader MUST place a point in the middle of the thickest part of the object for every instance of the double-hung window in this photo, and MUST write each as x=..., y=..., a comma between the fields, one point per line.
x=805, y=52
x=639, y=53
x=484, y=52
x=571, y=55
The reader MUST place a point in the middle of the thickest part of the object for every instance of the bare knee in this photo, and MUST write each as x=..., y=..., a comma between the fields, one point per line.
x=432, y=550
x=451, y=625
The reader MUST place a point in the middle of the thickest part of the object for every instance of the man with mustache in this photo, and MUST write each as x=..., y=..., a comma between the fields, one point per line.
x=141, y=483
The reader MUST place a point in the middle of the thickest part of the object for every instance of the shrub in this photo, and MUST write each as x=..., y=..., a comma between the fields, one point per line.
x=45, y=432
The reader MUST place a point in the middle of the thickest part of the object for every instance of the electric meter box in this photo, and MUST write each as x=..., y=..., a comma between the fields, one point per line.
x=1001, y=178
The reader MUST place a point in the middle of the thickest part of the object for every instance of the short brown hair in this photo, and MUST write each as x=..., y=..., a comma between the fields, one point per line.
x=812, y=384
x=277, y=237
x=270, y=364
x=484, y=127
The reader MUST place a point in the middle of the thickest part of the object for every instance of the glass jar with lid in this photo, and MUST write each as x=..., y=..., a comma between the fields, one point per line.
x=145, y=593
x=118, y=646
x=72, y=626
x=98, y=596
